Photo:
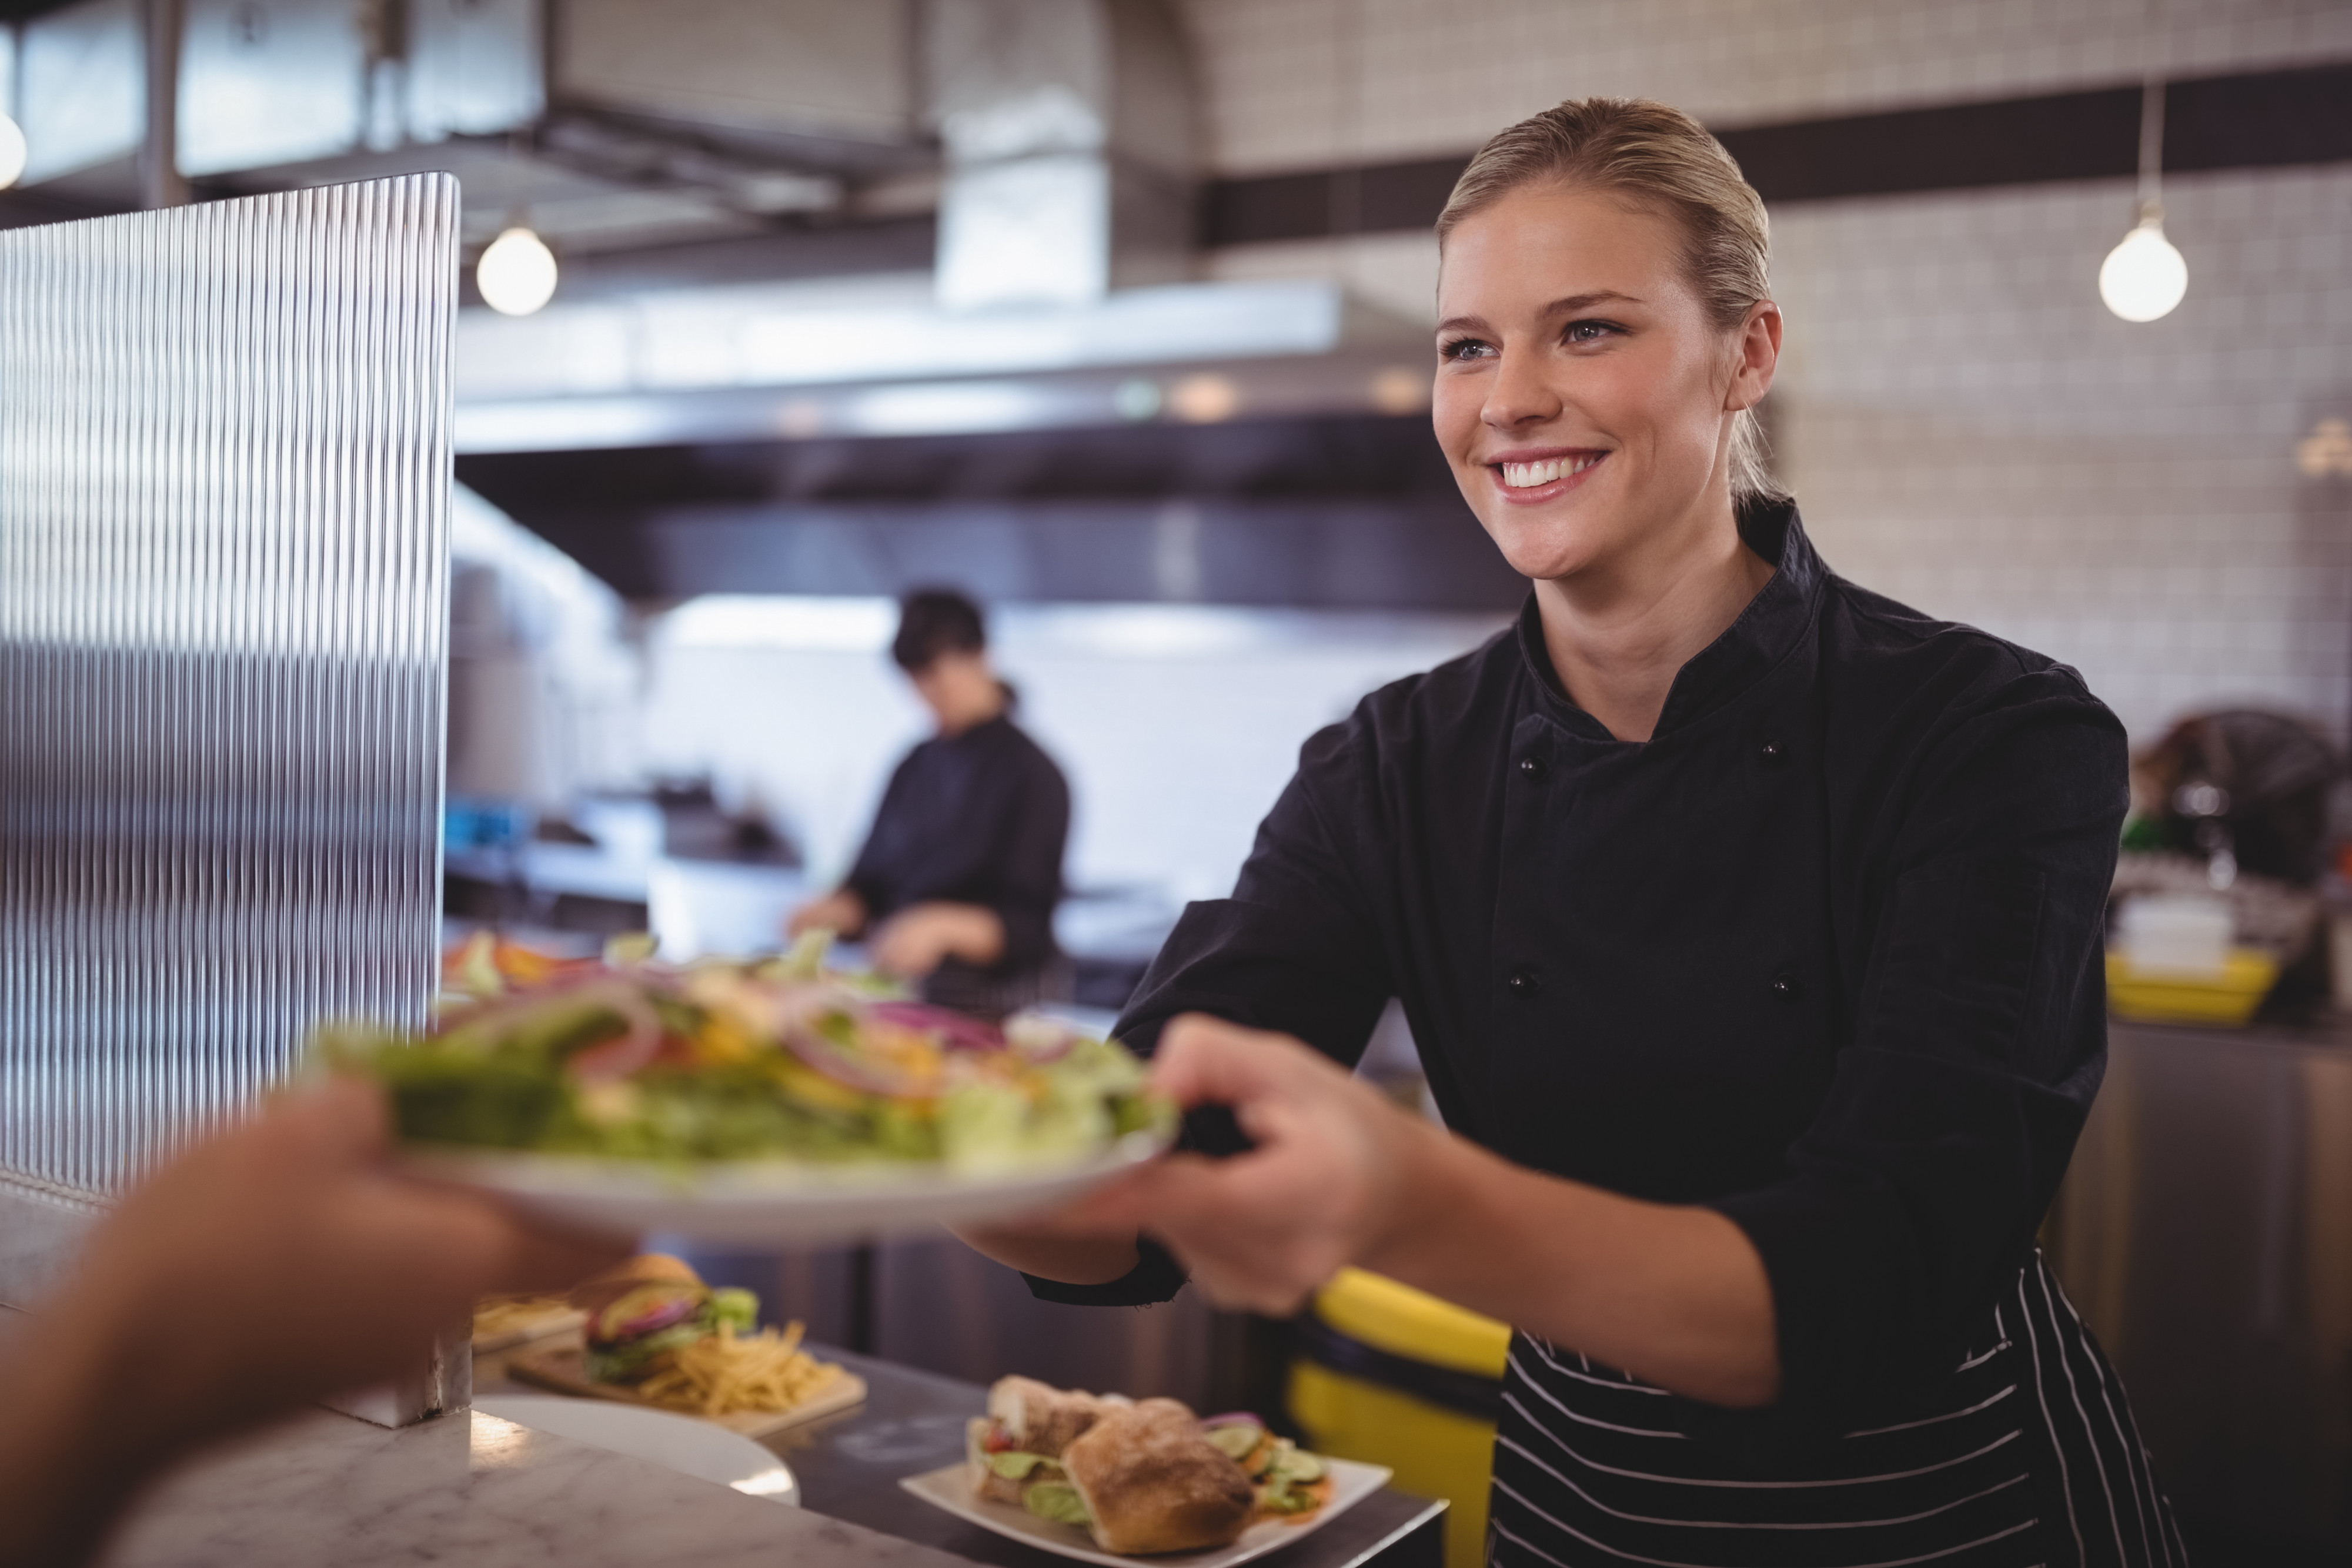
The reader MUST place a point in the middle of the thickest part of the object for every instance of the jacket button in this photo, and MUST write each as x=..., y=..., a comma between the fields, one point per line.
x=1523, y=983
x=1786, y=986
x=1533, y=769
x=1772, y=752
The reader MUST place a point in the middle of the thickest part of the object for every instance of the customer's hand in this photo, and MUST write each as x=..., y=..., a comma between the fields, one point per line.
x=1263, y=1229
x=841, y=912
x=919, y=938
x=268, y=1267
x=280, y=1263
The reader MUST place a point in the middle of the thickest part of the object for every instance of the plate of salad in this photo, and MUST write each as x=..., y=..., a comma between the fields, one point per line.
x=754, y=1102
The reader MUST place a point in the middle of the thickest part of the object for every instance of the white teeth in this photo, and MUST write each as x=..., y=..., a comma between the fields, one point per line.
x=1526, y=475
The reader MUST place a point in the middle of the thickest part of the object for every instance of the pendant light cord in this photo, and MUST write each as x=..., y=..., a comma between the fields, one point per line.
x=2152, y=149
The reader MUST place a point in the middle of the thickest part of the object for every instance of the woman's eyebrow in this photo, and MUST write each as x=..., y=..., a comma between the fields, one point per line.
x=1576, y=302
x=1567, y=307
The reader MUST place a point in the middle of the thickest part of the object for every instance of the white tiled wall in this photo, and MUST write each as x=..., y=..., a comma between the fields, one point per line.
x=1176, y=726
x=1969, y=430
x=1296, y=84
x=1966, y=426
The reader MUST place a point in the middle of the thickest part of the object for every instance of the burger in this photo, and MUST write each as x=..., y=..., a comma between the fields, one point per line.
x=646, y=1308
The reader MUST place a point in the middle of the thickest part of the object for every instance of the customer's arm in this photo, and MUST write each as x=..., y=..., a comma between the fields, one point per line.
x=268, y=1267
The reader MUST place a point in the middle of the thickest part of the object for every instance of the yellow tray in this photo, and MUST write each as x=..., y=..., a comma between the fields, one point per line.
x=2155, y=995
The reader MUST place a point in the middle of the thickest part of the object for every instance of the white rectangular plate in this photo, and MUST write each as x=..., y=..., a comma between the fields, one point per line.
x=950, y=1488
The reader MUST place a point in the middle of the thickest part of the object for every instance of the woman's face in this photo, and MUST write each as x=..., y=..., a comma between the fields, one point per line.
x=1582, y=395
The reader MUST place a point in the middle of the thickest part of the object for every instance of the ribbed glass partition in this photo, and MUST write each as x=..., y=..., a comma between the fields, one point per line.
x=223, y=492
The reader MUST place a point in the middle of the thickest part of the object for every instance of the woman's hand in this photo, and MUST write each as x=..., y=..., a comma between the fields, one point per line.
x=841, y=912
x=1321, y=1190
x=919, y=938
x=1672, y=1293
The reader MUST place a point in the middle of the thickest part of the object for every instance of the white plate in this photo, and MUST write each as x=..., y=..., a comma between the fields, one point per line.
x=771, y=1203
x=949, y=1487
x=678, y=1442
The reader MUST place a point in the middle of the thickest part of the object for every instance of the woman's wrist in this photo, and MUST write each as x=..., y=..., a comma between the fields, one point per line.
x=1430, y=1194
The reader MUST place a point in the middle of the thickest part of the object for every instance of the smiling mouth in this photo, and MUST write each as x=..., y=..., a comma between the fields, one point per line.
x=1550, y=471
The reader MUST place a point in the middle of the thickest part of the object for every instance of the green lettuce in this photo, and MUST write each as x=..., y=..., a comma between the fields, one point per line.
x=1057, y=1502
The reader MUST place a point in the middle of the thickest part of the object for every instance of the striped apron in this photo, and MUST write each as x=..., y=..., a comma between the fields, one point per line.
x=2031, y=1459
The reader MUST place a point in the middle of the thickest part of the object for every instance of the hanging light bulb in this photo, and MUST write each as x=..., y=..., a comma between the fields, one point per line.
x=2145, y=276
x=12, y=152
x=516, y=273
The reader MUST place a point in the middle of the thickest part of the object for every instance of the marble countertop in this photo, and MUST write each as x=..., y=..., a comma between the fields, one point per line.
x=325, y=1487
x=328, y=1488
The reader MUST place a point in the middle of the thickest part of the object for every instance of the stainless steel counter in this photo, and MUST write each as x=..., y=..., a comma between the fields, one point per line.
x=2205, y=1232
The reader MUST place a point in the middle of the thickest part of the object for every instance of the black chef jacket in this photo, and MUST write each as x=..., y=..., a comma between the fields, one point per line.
x=981, y=817
x=1823, y=953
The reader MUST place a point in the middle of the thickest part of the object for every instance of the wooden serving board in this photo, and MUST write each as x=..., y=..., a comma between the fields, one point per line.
x=563, y=1371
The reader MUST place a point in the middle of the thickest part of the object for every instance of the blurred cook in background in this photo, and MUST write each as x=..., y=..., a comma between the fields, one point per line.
x=957, y=884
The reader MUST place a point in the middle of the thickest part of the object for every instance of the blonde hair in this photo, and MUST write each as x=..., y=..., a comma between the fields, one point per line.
x=1657, y=157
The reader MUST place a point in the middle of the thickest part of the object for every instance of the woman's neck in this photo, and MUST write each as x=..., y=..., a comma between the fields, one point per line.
x=1618, y=632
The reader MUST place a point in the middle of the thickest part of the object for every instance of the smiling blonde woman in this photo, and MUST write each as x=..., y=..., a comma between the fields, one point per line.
x=1749, y=927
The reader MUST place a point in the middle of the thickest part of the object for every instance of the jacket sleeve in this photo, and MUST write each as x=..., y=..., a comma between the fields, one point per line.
x=866, y=877
x=1916, y=1192
x=1026, y=876
x=1290, y=951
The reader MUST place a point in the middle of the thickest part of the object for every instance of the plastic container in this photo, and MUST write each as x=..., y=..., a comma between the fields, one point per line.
x=2172, y=995
x=1393, y=1377
x=2176, y=934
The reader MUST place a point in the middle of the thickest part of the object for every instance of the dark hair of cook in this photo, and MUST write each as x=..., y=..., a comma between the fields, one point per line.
x=936, y=620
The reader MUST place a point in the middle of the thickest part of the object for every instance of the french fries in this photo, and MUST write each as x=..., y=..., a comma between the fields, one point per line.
x=727, y=1372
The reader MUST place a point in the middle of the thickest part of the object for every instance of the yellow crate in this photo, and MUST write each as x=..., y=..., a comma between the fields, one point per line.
x=1437, y=1452
x=2164, y=996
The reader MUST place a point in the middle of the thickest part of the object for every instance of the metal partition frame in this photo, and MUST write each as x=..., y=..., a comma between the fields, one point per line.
x=224, y=523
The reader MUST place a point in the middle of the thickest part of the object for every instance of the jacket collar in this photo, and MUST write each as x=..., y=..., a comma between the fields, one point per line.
x=1757, y=640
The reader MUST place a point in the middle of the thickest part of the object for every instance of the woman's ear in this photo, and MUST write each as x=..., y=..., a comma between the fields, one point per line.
x=1757, y=356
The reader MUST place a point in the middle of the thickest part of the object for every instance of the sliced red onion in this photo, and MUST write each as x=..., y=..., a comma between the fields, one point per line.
x=625, y=1053
x=659, y=1316
x=1233, y=1418
x=845, y=1067
x=956, y=1031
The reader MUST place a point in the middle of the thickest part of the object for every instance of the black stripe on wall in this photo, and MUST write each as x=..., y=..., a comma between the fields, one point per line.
x=2263, y=120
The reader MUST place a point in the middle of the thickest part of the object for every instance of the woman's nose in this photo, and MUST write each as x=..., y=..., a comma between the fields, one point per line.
x=1518, y=395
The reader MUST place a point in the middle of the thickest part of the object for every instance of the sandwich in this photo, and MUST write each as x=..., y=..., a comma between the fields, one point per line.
x=1148, y=1480
x=649, y=1307
x=1019, y=1443
x=1291, y=1482
x=1141, y=1478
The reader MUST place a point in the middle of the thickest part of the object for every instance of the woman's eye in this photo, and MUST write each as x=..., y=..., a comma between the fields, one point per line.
x=1588, y=332
x=1465, y=349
